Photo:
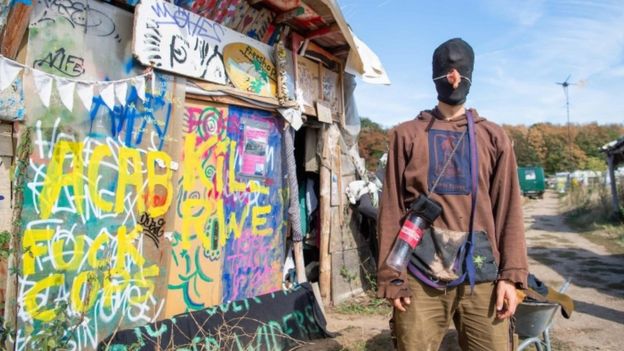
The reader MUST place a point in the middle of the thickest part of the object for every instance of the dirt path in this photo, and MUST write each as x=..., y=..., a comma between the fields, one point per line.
x=555, y=253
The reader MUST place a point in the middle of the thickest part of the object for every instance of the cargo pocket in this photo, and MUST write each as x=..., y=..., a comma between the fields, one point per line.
x=486, y=268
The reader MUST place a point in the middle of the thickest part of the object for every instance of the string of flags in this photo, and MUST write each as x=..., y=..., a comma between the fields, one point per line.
x=109, y=91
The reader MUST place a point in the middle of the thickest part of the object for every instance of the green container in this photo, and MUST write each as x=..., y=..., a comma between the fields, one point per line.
x=532, y=183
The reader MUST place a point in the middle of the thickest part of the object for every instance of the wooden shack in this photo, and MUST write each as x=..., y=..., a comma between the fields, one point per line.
x=159, y=158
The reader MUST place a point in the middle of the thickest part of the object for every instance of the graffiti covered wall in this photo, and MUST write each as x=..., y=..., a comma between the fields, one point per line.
x=228, y=241
x=96, y=188
x=97, y=183
x=173, y=39
x=81, y=39
x=141, y=209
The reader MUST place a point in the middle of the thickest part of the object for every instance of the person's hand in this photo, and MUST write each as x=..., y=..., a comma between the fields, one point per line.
x=400, y=303
x=506, y=299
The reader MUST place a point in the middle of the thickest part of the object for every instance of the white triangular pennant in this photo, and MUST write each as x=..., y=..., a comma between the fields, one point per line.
x=121, y=89
x=108, y=95
x=139, y=85
x=8, y=72
x=66, y=92
x=43, y=85
x=85, y=93
x=153, y=84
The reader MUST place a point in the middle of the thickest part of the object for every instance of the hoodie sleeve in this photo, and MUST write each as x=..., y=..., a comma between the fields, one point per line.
x=390, y=283
x=508, y=216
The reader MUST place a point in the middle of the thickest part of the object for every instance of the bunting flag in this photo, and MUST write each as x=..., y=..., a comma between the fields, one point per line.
x=121, y=90
x=108, y=95
x=85, y=92
x=139, y=84
x=110, y=91
x=66, y=90
x=43, y=84
x=8, y=73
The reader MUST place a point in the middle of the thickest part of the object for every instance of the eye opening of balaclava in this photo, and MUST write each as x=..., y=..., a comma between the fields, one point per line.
x=458, y=54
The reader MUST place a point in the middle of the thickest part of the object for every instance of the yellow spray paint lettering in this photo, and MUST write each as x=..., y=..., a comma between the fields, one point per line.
x=233, y=184
x=192, y=161
x=126, y=178
x=141, y=282
x=162, y=179
x=115, y=281
x=30, y=298
x=235, y=226
x=58, y=253
x=88, y=281
x=125, y=247
x=99, y=242
x=259, y=219
x=99, y=153
x=32, y=250
x=55, y=177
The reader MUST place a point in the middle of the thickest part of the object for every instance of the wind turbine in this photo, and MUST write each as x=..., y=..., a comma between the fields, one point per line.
x=565, y=84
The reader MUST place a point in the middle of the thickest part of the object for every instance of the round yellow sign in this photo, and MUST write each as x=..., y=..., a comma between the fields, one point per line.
x=250, y=70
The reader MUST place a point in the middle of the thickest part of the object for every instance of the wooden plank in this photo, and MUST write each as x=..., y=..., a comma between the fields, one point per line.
x=323, y=31
x=325, y=214
x=323, y=112
x=288, y=15
x=15, y=28
x=6, y=139
x=349, y=237
x=198, y=49
x=227, y=100
x=5, y=196
x=353, y=273
x=308, y=82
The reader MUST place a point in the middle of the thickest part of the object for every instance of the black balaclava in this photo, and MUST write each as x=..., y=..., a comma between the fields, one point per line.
x=458, y=54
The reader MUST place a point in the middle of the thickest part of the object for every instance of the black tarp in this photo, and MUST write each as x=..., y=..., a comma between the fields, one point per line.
x=275, y=321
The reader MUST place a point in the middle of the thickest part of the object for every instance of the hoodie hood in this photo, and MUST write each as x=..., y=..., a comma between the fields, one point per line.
x=435, y=115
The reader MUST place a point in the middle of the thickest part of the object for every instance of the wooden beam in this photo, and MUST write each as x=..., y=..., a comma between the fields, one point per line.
x=341, y=50
x=288, y=15
x=325, y=216
x=15, y=28
x=323, y=31
x=227, y=100
x=614, y=193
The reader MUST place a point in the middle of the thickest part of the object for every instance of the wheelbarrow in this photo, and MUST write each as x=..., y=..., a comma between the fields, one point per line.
x=533, y=322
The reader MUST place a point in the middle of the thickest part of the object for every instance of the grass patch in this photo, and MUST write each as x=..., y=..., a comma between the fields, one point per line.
x=588, y=211
x=364, y=305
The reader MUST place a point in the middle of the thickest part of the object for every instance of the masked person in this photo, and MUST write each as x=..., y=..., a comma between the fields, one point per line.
x=473, y=257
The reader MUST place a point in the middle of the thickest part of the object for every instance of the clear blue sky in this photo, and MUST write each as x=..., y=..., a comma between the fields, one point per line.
x=522, y=48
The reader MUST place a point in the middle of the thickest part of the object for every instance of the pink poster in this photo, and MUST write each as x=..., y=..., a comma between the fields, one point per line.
x=255, y=150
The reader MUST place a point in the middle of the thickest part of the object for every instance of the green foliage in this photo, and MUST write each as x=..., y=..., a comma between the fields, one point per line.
x=559, y=148
x=595, y=164
x=367, y=123
x=373, y=143
x=56, y=333
x=365, y=305
x=347, y=275
x=589, y=211
x=5, y=238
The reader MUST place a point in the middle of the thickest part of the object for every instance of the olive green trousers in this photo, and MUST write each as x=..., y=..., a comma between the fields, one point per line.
x=427, y=319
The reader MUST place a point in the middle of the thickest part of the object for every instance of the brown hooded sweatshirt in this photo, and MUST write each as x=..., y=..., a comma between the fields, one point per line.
x=499, y=202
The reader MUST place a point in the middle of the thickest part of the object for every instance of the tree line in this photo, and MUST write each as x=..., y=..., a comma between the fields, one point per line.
x=559, y=148
x=554, y=147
